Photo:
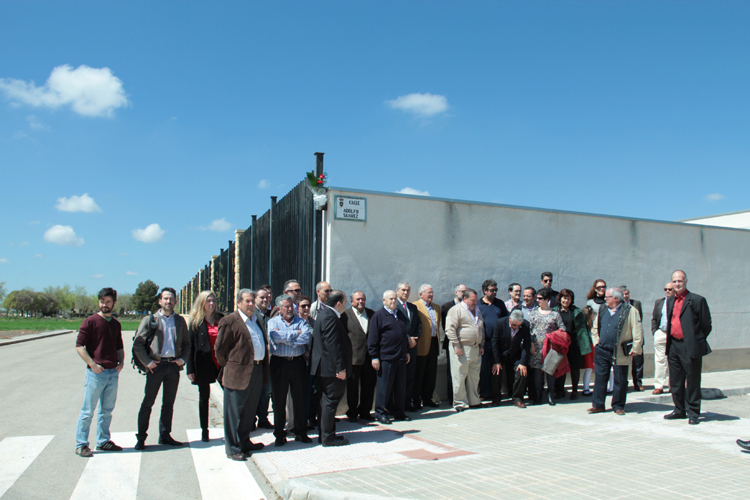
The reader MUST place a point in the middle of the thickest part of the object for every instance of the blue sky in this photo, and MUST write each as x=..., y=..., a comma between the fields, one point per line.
x=181, y=119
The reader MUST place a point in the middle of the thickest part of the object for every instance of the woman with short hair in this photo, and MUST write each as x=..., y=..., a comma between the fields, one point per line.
x=580, y=340
x=543, y=320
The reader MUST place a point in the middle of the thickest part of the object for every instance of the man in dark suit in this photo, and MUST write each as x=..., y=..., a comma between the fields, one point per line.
x=242, y=351
x=490, y=386
x=688, y=325
x=387, y=342
x=360, y=387
x=636, y=370
x=332, y=362
x=659, y=329
x=511, y=343
x=414, y=330
x=458, y=293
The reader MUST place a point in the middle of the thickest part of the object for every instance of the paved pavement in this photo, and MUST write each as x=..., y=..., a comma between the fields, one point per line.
x=33, y=336
x=537, y=452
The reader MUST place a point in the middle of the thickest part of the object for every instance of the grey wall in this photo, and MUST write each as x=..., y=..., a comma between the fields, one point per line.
x=444, y=242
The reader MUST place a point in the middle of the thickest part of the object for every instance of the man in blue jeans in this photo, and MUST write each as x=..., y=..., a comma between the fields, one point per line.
x=99, y=344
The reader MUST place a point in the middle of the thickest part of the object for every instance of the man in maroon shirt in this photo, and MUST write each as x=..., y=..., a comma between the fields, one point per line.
x=99, y=344
x=688, y=325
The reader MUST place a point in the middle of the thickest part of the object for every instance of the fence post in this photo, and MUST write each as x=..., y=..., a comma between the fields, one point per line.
x=270, y=242
x=237, y=262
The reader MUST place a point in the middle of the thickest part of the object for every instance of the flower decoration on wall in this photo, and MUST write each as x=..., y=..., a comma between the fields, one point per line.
x=317, y=184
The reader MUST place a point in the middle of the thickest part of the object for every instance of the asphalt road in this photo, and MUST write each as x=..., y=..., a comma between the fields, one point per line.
x=41, y=393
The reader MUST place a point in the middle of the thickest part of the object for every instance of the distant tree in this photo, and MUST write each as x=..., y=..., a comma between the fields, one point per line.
x=124, y=303
x=3, y=291
x=63, y=295
x=22, y=301
x=83, y=302
x=10, y=302
x=146, y=297
x=47, y=303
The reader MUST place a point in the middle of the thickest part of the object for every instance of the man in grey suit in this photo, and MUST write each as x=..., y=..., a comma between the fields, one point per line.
x=360, y=387
x=659, y=329
x=688, y=325
x=636, y=369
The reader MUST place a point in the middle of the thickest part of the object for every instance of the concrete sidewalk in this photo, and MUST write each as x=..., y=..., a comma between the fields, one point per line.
x=537, y=452
x=33, y=336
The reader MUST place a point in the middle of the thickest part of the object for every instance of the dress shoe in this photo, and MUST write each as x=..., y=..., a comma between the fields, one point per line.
x=240, y=457
x=280, y=441
x=303, y=439
x=250, y=446
x=550, y=400
x=745, y=445
x=382, y=419
x=693, y=421
x=337, y=442
x=595, y=410
x=519, y=404
x=638, y=388
x=265, y=425
x=403, y=418
x=459, y=409
x=573, y=395
x=352, y=419
x=620, y=412
x=674, y=415
x=167, y=440
x=657, y=391
x=431, y=404
x=367, y=418
x=204, y=436
x=586, y=393
x=140, y=444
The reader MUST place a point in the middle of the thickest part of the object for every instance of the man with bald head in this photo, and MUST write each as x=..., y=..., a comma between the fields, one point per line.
x=360, y=387
x=322, y=290
x=388, y=343
x=659, y=329
x=427, y=348
x=688, y=326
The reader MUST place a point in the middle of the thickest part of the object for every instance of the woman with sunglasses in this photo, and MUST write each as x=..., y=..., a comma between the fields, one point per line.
x=543, y=320
x=595, y=301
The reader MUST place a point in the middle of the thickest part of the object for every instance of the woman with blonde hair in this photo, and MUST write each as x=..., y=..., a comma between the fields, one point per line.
x=202, y=366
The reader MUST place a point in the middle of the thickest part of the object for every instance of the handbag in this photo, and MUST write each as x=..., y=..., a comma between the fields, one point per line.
x=552, y=361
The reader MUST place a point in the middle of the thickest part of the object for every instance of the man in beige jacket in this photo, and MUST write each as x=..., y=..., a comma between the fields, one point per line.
x=464, y=328
x=618, y=336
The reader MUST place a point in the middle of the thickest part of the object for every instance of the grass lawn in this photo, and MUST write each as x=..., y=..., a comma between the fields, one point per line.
x=49, y=324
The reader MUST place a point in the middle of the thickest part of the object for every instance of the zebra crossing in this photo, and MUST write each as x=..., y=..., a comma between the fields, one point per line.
x=115, y=475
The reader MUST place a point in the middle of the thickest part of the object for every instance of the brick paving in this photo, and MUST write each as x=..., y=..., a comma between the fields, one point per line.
x=537, y=452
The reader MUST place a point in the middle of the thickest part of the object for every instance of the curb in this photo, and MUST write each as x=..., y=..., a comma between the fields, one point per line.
x=33, y=336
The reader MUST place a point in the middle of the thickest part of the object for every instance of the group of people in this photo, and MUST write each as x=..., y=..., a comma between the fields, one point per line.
x=307, y=355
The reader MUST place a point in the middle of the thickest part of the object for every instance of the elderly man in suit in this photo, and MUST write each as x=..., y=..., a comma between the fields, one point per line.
x=242, y=351
x=414, y=329
x=458, y=294
x=637, y=366
x=688, y=326
x=464, y=328
x=169, y=348
x=511, y=345
x=331, y=362
x=360, y=387
x=659, y=329
x=427, y=348
x=387, y=342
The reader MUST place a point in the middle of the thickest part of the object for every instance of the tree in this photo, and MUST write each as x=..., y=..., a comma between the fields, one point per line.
x=63, y=295
x=146, y=297
x=47, y=303
x=125, y=303
x=3, y=291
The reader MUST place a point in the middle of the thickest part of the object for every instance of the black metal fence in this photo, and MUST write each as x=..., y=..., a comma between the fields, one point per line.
x=282, y=244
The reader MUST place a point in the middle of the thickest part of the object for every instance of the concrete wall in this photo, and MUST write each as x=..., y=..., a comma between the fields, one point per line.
x=444, y=242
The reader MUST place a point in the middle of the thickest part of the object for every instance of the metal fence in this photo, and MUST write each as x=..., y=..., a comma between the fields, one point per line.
x=282, y=244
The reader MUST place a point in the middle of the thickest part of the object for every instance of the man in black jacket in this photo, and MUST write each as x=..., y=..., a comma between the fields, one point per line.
x=332, y=363
x=414, y=329
x=688, y=325
x=511, y=342
x=387, y=342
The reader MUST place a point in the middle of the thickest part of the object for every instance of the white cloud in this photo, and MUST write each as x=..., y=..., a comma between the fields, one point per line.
x=97, y=276
x=35, y=124
x=3, y=260
x=420, y=104
x=18, y=135
x=34, y=222
x=151, y=234
x=219, y=225
x=714, y=197
x=413, y=191
x=264, y=184
x=131, y=273
x=62, y=235
x=38, y=256
x=83, y=203
x=24, y=243
x=88, y=91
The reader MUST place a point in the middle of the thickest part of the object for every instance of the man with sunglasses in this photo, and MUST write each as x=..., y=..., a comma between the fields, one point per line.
x=659, y=329
x=547, y=283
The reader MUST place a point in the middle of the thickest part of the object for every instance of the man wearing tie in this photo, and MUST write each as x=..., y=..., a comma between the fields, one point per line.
x=414, y=329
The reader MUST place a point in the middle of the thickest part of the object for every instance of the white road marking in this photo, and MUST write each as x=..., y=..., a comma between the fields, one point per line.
x=16, y=454
x=111, y=474
x=218, y=476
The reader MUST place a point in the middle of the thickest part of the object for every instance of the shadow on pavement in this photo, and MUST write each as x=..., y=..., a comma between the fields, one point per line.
x=646, y=407
x=717, y=417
